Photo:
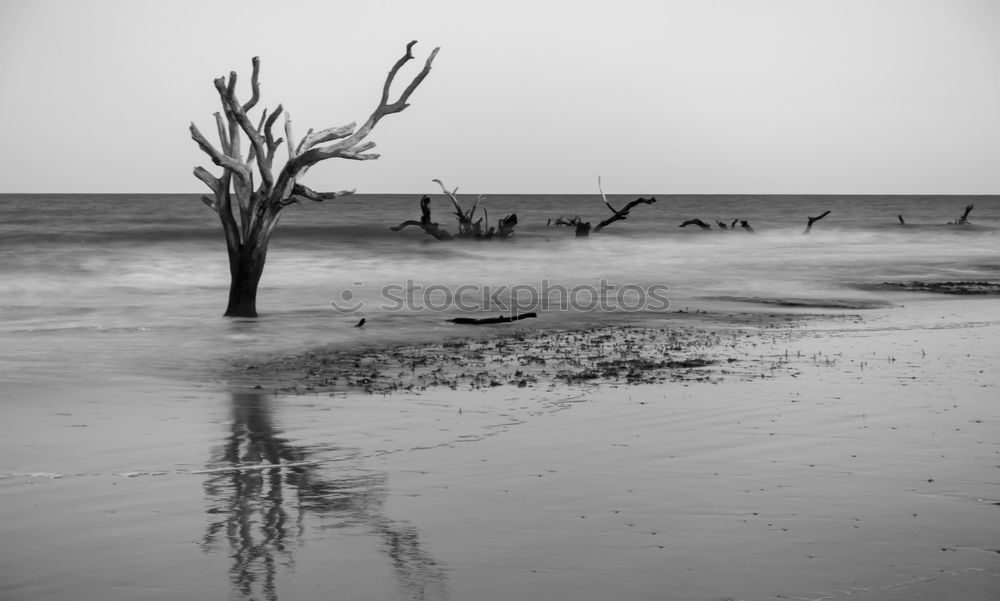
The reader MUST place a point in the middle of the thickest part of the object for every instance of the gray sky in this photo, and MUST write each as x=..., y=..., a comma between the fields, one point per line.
x=536, y=96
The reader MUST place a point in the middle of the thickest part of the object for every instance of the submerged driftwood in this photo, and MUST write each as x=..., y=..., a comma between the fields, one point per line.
x=964, y=219
x=619, y=214
x=700, y=224
x=583, y=228
x=425, y=222
x=467, y=227
x=813, y=220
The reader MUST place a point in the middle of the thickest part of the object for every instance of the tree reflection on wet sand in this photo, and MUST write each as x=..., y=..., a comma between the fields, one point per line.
x=262, y=487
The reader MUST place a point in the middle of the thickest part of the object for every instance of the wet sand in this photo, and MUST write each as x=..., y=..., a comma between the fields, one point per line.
x=834, y=458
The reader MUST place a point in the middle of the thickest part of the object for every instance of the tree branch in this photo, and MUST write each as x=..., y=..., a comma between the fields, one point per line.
x=222, y=160
x=236, y=111
x=813, y=220
x=622, y=214
x=316, y=155
x=223, y=136
x=603, y=196
x=333, y=133
x=309, y=193
x=288, y=136
x=272, y=144
x=210, y=180
x=254, y=86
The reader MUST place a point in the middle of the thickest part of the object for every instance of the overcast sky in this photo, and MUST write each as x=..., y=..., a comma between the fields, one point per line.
x=537, y=96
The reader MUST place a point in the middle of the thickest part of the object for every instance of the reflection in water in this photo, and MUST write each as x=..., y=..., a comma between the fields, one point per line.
x=261, y=513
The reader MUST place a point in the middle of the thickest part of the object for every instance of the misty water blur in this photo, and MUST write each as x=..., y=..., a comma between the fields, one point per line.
x=98, y=285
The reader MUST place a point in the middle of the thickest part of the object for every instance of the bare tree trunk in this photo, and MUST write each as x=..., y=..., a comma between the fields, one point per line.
x=245, y=268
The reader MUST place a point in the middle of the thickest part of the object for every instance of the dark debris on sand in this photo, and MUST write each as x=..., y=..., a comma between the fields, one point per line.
x=968, y=287
x=620, y=354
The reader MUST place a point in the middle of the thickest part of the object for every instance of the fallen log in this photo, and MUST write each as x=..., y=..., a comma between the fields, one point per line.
x=488, y=320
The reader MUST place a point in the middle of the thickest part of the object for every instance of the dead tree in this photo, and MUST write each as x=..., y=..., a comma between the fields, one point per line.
x=249, y=214
x=813, y=220
x=699, y=223
x=623, y=213
x=425, y=222
x=964, y=219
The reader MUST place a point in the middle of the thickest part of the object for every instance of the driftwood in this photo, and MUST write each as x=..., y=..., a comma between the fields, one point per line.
x=488, y=320
x=249, y=214
x=623, y=213
x=467, y=228
x=700, y=224
x=582, y=227
x=505, y=226
x=964, y=219
x=425, y=222
x=813, y=220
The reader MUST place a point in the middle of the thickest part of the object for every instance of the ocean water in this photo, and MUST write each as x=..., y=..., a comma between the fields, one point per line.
x=102, y=286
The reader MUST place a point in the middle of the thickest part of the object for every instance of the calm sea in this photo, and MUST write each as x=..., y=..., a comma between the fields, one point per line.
x=101, y=286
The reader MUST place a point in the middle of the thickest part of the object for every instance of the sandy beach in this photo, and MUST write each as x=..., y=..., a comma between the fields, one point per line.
x=780, y=456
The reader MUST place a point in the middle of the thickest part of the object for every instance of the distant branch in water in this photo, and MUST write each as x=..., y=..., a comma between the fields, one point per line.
x=467, y=228
x=964, y=219
x=425, y=222
x=582, y=227
x=622, y=214
x=700, y=224
x=813, y=220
